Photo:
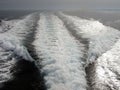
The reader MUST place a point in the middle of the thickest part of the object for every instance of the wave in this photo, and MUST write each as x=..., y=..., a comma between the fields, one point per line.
x=60, y=55
x=100, y=37
x=107, y=70
x=16, y=49
x=12, y=46
x=7, y=25
x=13, y=40
x=104, y=45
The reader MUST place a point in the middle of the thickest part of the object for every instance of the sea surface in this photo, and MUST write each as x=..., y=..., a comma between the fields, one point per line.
x=14, y=14
x=107, y=17
x=26, y=74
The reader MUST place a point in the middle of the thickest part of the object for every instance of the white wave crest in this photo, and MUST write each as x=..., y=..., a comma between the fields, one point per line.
x=107, y=71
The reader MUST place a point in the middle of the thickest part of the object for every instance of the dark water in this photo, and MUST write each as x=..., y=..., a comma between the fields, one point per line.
x=107, y=17
x=26, y=77
x=14, y=14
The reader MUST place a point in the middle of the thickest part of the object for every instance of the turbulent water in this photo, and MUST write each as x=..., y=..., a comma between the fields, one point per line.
x=61, y=55
x=54, y=51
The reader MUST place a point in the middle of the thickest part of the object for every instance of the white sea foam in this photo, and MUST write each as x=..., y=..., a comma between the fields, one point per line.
x=7, y=25
x=11, y=43
x=61, y=55
x=107, y=71
x=101, y=38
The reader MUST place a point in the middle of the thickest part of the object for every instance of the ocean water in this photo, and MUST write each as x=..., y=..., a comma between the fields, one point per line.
x=107, y=17
x=26, y=73
x=14, y=14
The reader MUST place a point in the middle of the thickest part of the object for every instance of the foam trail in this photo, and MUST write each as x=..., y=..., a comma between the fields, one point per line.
x=11, y=42
x=101, y=38
x=5, y=66
x=7, y=25
x=61, y=55
x=107, y=70
x=13, y=39
x=16, y=49
x=23, y=27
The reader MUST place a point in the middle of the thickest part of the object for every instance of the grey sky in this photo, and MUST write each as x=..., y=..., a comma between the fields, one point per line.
x=59, y=4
